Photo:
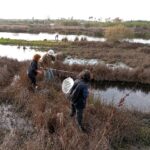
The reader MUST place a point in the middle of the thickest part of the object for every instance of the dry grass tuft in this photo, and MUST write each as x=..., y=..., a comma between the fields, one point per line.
x=117, y=33
x=7, y=70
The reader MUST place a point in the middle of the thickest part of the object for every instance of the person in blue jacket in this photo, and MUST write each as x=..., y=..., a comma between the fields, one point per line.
x=33, y=70
x=79, y=93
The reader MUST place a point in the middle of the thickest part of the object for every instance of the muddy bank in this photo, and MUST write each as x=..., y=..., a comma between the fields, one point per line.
x=11, y=121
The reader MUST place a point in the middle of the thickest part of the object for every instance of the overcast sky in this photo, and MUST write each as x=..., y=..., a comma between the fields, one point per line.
x=79, y=9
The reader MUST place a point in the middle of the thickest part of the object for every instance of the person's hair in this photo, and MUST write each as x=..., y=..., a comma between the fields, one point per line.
x=36, y=57
x=85, y=75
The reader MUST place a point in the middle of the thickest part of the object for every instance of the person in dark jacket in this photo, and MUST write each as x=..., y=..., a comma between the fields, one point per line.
x=78, y=102
x=33, y=69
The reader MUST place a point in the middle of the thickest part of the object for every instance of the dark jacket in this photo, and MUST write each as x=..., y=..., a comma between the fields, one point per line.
x=82, y=87
x=32, y=70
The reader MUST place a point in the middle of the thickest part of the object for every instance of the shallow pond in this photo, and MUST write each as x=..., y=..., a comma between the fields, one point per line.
x=71, y=61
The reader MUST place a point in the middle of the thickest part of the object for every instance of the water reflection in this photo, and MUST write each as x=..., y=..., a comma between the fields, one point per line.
x=121, y=85
x=138, y=99
x=19, y=53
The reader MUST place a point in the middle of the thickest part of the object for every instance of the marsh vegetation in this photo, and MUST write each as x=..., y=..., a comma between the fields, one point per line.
x=45, y=112
x=52, y=126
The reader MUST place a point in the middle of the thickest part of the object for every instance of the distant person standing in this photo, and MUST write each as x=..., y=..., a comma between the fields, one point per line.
x=78, y=96
x=33, y=70
x=56, y=37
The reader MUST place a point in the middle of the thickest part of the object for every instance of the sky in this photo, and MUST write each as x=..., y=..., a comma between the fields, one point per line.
x=78, y=9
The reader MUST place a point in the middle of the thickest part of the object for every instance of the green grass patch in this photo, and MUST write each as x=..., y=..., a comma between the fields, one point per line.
x=44, y=43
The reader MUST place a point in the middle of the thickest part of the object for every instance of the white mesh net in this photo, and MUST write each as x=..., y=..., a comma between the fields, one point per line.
x=67, y=85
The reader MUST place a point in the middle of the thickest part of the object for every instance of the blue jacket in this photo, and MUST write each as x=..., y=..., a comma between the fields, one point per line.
x=32, y=70
x=82, y=87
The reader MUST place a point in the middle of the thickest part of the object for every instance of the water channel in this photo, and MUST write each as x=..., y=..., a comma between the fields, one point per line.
x=111, y=93
x=48, y=36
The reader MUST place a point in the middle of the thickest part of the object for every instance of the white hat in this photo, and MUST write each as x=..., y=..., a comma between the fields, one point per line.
x=51, y=52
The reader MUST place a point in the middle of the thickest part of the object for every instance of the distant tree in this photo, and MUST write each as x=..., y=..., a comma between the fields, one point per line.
x=90, y=17
x=117, y=20
x=100, y=19
x=108, y=19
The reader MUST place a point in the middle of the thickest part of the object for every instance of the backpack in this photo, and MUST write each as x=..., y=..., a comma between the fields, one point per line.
x=74, y=94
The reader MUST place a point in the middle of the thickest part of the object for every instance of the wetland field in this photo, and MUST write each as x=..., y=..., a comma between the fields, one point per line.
x=40, y=120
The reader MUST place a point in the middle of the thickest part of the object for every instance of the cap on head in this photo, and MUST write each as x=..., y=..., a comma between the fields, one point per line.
x=51, y=52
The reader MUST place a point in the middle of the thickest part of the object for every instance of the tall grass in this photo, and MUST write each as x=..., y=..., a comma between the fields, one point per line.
x=118, y=33
x=101, y=72
x=32, y=43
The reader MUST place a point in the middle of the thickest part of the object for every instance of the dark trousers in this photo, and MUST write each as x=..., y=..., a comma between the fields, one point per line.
x=33, y=79
x=78, y=112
